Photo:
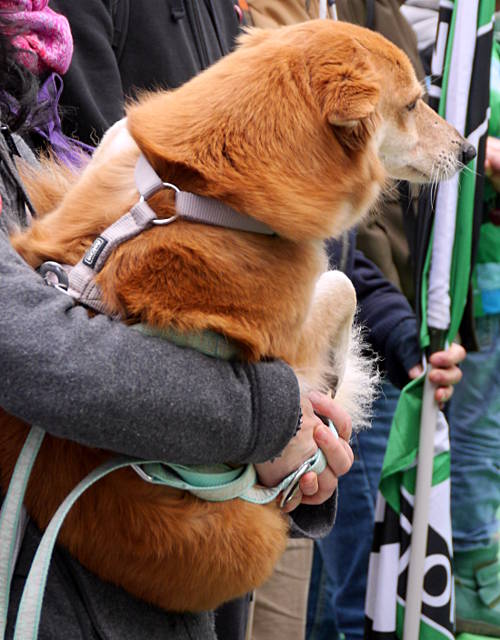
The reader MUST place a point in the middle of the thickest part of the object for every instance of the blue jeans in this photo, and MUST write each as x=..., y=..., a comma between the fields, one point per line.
x=338, y=582
x=474, y=419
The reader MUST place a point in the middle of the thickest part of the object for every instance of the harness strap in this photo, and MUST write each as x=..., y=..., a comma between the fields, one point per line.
x=218, y=483
x=209, y=211
x=188, y=206
x=30, y=607
x=81, y=277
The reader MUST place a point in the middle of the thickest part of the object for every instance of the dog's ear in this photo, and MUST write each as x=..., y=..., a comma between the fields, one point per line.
x=347, y=91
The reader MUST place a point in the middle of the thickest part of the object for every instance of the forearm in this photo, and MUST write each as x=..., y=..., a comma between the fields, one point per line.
x=102, y=384
x=389, y=320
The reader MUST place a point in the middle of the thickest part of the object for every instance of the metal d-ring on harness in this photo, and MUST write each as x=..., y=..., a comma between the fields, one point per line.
x=213, y=483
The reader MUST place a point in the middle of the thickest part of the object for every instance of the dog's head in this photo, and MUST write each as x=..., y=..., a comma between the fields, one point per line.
x=373, y=89
x=413, y=142
x=299, y=127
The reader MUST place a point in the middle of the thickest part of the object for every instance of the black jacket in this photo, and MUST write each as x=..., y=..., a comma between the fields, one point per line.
x=125, y=45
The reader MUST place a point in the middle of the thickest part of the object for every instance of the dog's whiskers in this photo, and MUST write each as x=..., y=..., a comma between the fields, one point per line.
x=465, y=167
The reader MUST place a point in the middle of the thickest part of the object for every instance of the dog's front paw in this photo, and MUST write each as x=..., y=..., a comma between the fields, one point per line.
x=334, y=301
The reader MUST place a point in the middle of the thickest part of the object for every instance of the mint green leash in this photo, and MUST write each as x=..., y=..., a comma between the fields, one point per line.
x=10, y=517
x=223, y=483
x=213, y=483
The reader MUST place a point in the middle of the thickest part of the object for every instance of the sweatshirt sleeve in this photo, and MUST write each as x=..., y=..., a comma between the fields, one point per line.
x=100, y=383
x=389, y=320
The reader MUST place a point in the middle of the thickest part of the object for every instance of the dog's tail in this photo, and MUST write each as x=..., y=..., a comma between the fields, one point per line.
x=360, y=383
x=48, y=181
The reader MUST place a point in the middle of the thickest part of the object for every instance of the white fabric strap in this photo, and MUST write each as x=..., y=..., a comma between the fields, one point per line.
x=459, y=82
x=12, y=516
x=146, y=178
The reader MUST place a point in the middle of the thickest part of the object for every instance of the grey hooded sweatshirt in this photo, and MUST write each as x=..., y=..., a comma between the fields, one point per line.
x=104, y=385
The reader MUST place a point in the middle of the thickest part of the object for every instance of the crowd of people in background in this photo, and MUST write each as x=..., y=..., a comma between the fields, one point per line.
x=66, y=71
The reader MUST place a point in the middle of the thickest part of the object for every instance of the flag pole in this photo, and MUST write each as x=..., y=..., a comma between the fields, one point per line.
x=439, y=304
x=423, y=487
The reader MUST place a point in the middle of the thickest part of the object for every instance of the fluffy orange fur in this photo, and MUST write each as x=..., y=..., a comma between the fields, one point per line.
x=284, y=129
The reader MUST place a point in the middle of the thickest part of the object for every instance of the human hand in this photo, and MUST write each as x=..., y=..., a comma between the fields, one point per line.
x=444, y=373
x=313, y=489
x=316, y=489
x=492, y=161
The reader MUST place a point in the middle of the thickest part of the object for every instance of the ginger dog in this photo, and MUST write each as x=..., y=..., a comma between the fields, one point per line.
x=299, y=128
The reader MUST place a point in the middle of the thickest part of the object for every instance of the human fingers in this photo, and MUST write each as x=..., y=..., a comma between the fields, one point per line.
x=301, y=447
x=338, y=453
x=442, y=395
x=445, y=373
x=493, y=154
x=445, y=377
x=339, y=457
x=308, y=488
x=326, y=406
x=327, y=484
x=449, y=357
x=309, y=484
x=415, y=371
x=316, y=489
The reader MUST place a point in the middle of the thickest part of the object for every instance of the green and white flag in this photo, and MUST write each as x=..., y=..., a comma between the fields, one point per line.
x=460, y=88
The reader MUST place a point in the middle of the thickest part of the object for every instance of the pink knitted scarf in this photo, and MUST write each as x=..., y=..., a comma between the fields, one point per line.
x=45, y=41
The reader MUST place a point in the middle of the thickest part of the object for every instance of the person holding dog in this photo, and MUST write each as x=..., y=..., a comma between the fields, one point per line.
x=106, y=386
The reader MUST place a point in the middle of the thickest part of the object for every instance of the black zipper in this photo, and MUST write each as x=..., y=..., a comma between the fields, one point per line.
x=217, y=26
x=199, y=37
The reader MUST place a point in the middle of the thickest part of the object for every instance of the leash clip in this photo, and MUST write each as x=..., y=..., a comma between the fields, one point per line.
x=54, y=275
x=142, y=474
x=291, y=491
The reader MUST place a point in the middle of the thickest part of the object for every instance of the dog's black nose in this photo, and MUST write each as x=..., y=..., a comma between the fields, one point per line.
x=468, y=152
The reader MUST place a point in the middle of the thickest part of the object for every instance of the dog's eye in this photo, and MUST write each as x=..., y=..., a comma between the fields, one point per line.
x=411, y=106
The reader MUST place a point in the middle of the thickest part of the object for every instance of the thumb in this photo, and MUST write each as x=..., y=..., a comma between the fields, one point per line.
x=415, y=371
